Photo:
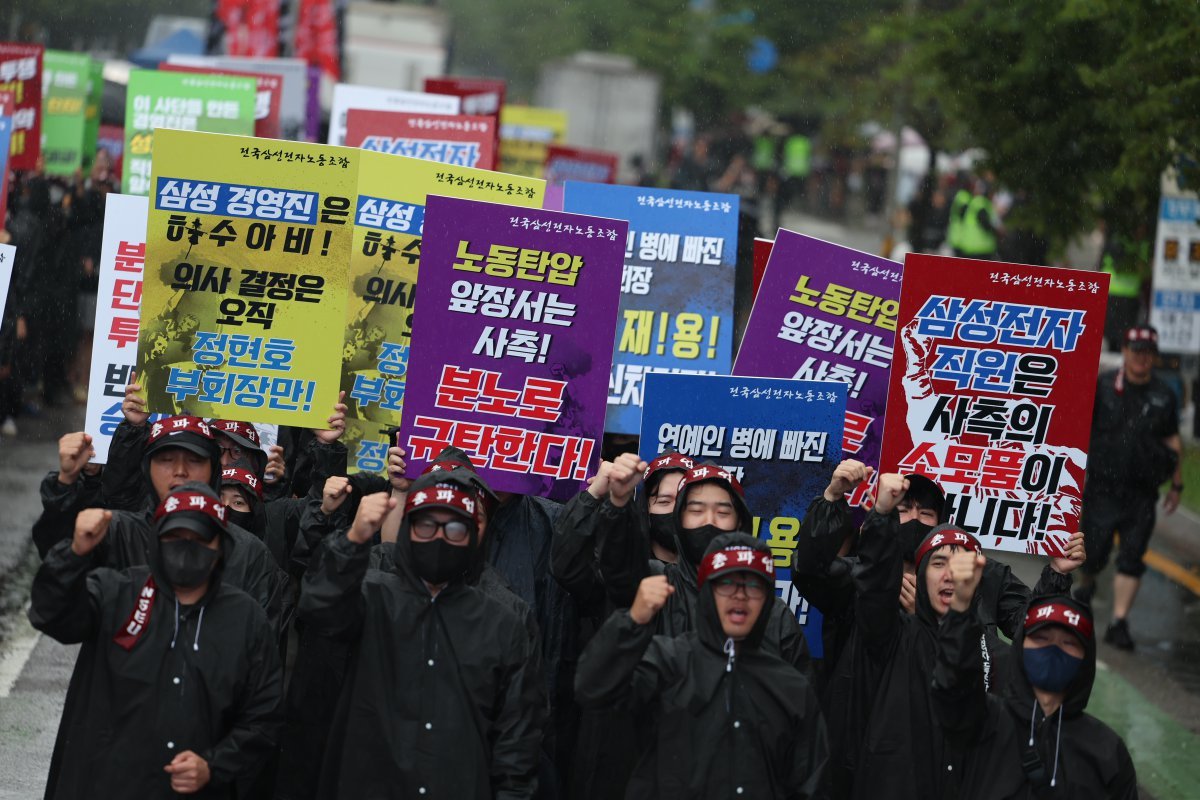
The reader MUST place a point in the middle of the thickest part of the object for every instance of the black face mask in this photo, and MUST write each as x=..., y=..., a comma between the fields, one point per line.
x=912, y=533
x=186, y=563
x=437, y=561
x=662, y=530
x=696, y=540
x=243, y=519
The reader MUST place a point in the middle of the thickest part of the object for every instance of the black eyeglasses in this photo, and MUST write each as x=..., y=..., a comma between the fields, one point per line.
x=753, y=588
x=453, y=530
x=233, y=451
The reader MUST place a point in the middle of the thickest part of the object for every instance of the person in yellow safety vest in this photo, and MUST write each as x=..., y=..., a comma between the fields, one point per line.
x=957, y=207
x=795, y=165
x=1126, y=259
x=977, y=229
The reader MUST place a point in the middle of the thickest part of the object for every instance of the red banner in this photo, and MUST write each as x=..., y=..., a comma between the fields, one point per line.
x=251, y=27
x=317, y=37
x=480, y=96
x=991, y=393
x=447, y=138
x=577, y=164
x=268, y=92
x=21, y=74
x=112, y=139
x=762, y=254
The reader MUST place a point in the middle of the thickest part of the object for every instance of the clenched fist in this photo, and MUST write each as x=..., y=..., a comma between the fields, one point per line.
x=74, y=452
x=892, y=487
x=652, y=595
x=189, y=773
x=371, y=511
x=966, y=570
x=91, y=525
x=849, y=473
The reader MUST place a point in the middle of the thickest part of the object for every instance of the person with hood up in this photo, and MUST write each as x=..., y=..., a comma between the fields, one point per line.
x=1060, y=750
x=441, y=697
x=177, y=687
x=893, y=746
x=732, y=718
x=242, y=494
x=176, y=450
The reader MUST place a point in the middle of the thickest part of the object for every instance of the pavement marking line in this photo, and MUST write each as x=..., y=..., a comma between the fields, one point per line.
x=1173, y=570
x=16, y=654
x=1165, y=754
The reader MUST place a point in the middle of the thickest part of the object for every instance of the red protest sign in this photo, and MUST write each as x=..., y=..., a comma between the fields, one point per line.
x=985, y=394
x=762, y=254
x=268, y=92
x=251, y=27
x=21, y=74
x=480, y=97
x=465, y=141
x=578, y=164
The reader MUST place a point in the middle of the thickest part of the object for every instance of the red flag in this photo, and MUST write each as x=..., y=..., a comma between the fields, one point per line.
x=317, y=36
x=251, y=27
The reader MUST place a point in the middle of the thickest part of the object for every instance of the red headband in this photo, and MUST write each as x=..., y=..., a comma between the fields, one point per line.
x=738, y=558
x=243, y=477
x=708, y=472
x=443, y=495
x=242, y=429
x=669, y=461
x=174, y=425
x=1051, y=613
x=949, y=536
x=179, y=502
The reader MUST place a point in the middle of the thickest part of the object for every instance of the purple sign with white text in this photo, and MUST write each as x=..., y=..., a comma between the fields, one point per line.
x=512, y=342
x=828, y=313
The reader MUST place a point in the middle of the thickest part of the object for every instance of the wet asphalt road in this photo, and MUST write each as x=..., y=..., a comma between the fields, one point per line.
x=1151, y=697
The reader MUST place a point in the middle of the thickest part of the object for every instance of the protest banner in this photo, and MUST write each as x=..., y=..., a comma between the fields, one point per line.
x=66, y=84
x=525, y=134
x=828, y=313
x=676, y=288
x=247, y=250
x=991, y=393
x=1175, y=306
x=118, y=302
x=511, y=343
x=480, y=97
x=21, y=74
x=781, y=439
x=209, y=103
x=6, y=128
x=95, y=99
x=248, y=27
x=268, y=93
x=346, y=97
x=762, y=253
x=456, y=139
x=579, y=164
x=293, y=99
x=384, y=266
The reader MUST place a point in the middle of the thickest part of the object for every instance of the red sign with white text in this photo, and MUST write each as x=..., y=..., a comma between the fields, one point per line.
x=21, y=74
x=991, y=393
x=457, y=139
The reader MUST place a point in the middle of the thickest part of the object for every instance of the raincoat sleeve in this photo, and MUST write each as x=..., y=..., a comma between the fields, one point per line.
x=624, y=666
x=255, y=729
x=877, y=583
x=809, y=775
x=315, y=525
x=793, y=647
x=1124, y=785
x=331, y=597
x=124, y=487
x=1015, y=596
x=67, y=596
x=818, y=574
x=61, y=504
x=524, y=710
x=624, y=551
x=959, y=695
x=573, y=548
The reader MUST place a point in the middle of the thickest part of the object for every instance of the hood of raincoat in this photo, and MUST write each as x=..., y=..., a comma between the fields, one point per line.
x=708, y=472
x=708, y=621
x=1074, y=616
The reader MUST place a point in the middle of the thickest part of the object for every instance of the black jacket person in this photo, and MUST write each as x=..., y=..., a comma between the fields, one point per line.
x=177, y=685
x=1060, y=750
x=441, y=696
x=732, y=718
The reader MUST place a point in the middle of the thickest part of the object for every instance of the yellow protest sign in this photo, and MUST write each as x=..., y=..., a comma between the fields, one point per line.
x=525, y=133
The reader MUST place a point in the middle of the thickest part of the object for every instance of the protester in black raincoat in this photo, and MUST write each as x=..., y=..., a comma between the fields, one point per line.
x=732, y=718
x=1059, y=750
x=889, y=744
x=170, y=452
x=441, y=697
x=177, y=685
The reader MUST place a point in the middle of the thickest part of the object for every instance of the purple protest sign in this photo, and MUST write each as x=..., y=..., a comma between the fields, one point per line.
x=512, y=338
x=827, y=312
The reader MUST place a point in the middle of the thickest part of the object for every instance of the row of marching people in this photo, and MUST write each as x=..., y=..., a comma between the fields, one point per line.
x=256, y=623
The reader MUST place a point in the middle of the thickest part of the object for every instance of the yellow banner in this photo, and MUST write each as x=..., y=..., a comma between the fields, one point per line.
x=247, y=250
x=525, y=134
x=389, y=218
